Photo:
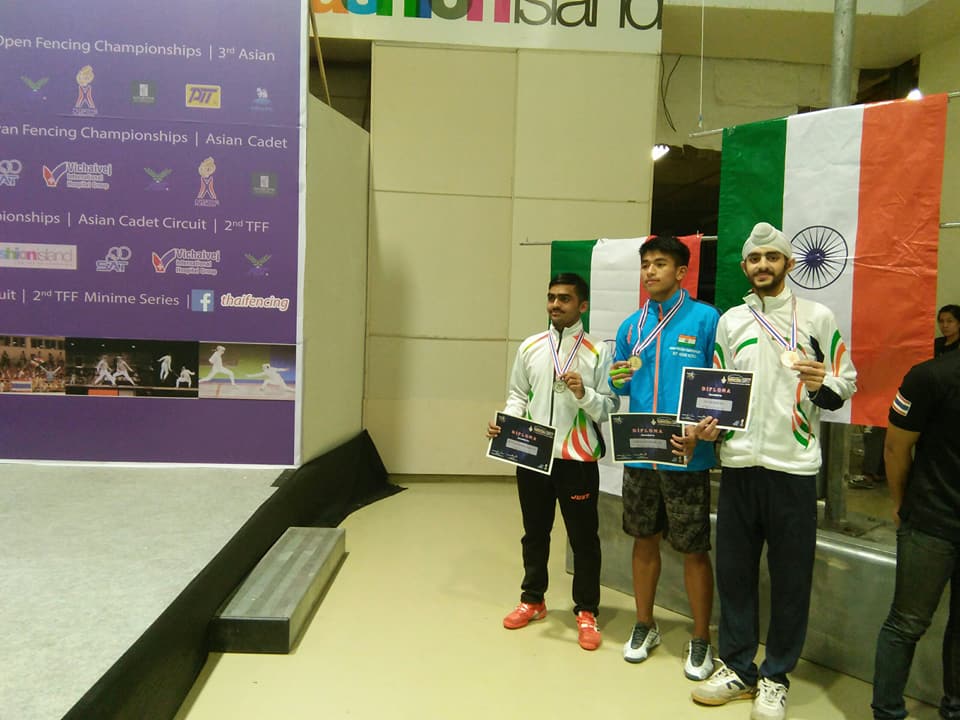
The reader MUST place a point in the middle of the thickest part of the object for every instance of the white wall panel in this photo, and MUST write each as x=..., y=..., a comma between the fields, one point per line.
x=439, y=265
x=428, y=403
x=334, y=295
x=443, y=120
x=585, y=125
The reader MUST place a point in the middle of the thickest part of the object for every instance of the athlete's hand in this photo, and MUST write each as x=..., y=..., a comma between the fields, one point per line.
x=811, y=372
x=707, y=429
x=683, y=445
x=492, y=429
x=620, y=373
x=575, y=383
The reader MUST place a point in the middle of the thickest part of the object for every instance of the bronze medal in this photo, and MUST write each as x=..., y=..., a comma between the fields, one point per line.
x=788, y=358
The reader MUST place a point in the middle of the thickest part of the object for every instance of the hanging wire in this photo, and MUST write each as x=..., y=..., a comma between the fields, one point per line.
x=665, y=90
x=702, y=15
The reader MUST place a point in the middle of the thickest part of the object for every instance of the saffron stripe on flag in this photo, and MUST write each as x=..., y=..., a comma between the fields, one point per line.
x=894, y=298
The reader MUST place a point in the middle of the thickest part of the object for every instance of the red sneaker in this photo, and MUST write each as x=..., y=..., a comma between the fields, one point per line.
x=588, y=633
x=523, y=614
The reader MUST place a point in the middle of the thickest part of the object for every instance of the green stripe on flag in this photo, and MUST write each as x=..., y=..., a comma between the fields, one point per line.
x=751, y=191
x=572, y=256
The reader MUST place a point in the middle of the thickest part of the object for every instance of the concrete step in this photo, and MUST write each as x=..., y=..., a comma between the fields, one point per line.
x=269, y=610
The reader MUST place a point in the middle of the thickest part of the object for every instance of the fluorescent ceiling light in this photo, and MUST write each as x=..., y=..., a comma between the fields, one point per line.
x=659, y=151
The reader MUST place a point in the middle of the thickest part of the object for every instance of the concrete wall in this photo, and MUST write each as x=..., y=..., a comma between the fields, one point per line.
x=335, y=289
x=940, y=72
x=734, y=92
x=479, y=158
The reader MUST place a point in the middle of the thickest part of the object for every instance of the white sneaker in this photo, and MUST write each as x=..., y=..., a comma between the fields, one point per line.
x=643, y=639
x=722, y=687
x=698, y=660
x=771, y=702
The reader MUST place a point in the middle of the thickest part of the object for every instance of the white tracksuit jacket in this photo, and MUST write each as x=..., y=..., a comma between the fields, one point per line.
x=531, y=393
x=784, y=429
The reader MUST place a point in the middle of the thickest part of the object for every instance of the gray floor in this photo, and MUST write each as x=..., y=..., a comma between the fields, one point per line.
x=410, y=629
x=90, y=556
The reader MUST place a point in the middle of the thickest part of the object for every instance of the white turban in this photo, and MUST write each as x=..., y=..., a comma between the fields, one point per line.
x=765, y=235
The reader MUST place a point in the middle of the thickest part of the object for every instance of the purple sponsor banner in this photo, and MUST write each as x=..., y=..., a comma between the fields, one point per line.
x=168, y=229
x=121, y=430
x=240, y=45
x=150, y=188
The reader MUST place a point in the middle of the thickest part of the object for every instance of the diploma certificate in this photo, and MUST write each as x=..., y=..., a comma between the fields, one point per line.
x=523, y=443
x=644, y=437
x=721, y=394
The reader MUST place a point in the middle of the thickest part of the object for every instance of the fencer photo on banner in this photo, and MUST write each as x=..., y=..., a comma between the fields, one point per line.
x=131, y=368
x=235, y=371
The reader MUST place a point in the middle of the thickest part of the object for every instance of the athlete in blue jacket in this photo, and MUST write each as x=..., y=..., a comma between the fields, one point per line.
x=669, y=332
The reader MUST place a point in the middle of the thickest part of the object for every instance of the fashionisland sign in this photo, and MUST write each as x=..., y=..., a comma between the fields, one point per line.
x=631, y=26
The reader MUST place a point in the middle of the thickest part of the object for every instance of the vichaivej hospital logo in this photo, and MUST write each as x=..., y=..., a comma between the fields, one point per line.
x=79, y=175
x=635, y=14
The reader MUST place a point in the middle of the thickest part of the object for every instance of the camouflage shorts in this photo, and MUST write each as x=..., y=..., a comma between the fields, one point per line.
x=674, y=503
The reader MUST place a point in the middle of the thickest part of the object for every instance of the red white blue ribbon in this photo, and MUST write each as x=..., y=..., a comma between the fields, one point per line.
x=642, y=345
x=772, y=331
x=555, y=351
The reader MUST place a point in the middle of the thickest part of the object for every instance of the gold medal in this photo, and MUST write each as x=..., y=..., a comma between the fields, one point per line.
x=635, y=362
x=788, y=358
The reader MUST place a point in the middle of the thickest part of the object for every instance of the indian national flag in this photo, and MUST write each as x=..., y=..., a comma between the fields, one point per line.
x=612, y=269
x=857, y=192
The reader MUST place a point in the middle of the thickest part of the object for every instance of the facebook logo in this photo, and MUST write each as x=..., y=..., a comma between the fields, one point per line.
x=202, y=301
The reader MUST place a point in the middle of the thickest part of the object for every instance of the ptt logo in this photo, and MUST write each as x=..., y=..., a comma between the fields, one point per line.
x=116, y=260
x=203, y=96
x=10, y=172
x=202, y=301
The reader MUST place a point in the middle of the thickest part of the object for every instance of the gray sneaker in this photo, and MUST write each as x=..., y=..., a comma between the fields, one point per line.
x=722, y=687
x=643, y=639
x=698, y=659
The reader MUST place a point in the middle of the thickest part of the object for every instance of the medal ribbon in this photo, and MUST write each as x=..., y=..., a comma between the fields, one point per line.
x=555, y=351
x=772, y=331
x=643, y=344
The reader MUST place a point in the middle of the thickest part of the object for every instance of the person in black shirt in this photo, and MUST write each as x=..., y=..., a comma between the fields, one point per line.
x=948, y=318
x=925, y=491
